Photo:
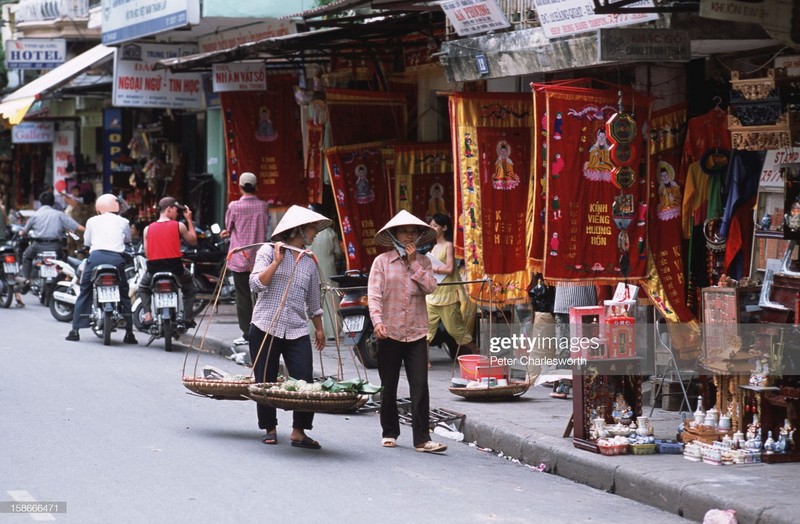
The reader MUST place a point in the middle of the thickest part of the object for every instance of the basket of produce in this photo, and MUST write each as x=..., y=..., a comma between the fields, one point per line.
x=613, y=446
x=320, y=397
x=491, y=390
x=219, y=385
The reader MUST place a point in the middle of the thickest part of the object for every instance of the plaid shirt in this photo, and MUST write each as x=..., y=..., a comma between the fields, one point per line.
x=302, y=303
x=247, y=220
x=396, y=295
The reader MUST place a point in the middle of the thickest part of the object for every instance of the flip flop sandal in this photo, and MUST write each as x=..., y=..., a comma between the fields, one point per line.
x=270, y=438
x=20, y=305
x=307, y=443
x=389, y=442
x=431, y=447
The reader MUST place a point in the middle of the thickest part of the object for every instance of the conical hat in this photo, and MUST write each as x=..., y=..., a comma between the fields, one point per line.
x=299, y=216
x=404, y=218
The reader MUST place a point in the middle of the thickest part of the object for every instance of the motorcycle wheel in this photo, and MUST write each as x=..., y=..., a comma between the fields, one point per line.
x=61, y=311
x=138, y=318
x=107, y=325
x=198, y=306
x=167, y=326
x=6, y=294
x=368, y=349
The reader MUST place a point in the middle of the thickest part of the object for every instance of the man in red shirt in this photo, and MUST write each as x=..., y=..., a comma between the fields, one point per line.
x=162, y=246
x=246, y=223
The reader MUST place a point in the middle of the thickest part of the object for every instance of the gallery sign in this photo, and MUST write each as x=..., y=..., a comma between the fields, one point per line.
x=470, y=17
x=35, y=53
x=33, y=132
x=137, y=84
x=645, y=45
x=126, y=20
x=571, y=17
x=239, y=76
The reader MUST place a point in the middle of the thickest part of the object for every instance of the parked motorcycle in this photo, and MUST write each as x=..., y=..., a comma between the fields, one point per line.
x=206, y=262
x=8, y=272
x=167, y=306
x=66, y=289
x=357, y=328
x=105, y=316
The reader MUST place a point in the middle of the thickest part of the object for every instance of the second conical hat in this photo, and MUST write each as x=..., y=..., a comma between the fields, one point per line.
x=404, y=218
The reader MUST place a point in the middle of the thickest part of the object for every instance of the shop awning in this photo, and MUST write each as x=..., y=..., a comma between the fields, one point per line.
x=16, y=105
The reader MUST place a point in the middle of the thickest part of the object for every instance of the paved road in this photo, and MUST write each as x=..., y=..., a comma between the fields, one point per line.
x=113, y=432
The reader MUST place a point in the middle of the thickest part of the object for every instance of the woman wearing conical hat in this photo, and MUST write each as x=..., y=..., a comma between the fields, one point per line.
x=398, y=282
x=286, y=280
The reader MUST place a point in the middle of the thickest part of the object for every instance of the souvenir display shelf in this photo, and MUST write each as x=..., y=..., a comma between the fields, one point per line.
x=725, y=308
x=594, y=388
x=774, y=406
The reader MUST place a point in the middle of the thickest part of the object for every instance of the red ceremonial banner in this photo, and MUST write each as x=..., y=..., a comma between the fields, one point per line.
x=358, y=117
x=666, y=286
x=590, y=216
x=424, y=180
x=361, y=178
x=492, y=148
x=315, y=136
x=263, y=136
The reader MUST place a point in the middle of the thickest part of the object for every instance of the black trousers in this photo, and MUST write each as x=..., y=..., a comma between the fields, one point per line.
x=392, y=355
x=83, y=306
x=299, y=363
x=34, y=249
x=244, y=301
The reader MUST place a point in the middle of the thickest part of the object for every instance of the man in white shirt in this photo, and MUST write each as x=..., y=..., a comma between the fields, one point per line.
x=106, y=235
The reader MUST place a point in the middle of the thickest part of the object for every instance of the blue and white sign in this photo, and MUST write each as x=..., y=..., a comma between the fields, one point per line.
x=126, y=20
x=34, y=53
x=33, y=132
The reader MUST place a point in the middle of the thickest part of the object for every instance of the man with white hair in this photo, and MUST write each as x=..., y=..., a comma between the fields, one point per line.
x=106, y=235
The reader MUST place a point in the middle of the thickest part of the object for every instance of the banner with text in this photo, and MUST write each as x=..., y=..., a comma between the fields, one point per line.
x=263, y=136
x=571, y=17
x=239, y=76
x=137, y=84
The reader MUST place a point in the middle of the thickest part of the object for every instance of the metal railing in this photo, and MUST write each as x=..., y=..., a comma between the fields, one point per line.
x=46, y=10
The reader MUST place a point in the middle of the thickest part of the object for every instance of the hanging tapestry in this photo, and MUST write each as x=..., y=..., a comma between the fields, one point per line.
x=591, y=208
x=358, y=117
x=666, y=285
x=538, y=201
x=263, y=136
x=424, y=180
x=315, y=136
x=361, y=180
x=492, y=148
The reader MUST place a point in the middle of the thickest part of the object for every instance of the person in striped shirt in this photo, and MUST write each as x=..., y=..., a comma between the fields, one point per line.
x=398, y=282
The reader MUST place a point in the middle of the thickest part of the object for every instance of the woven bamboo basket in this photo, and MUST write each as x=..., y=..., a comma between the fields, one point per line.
x=318, y=402
x=218, y=389
x=493, y=392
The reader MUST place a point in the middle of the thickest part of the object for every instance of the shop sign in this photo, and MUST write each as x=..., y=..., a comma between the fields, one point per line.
x=32, y=132
x=34, y=53
x=137, y=84
x=775, y=16
x=645, y=45
x=126, y=20
x=239, y=76
x=790, y=63
x=571, y=17
x=63, y=154
x=470, y=17
x=242, y=35
x=771, y=175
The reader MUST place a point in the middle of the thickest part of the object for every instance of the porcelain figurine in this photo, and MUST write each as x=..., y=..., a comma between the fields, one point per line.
x=780, y=446
x=622, y=411
x=769, y=444
x=753, y=428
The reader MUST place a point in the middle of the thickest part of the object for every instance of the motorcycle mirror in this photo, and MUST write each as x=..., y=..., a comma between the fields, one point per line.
x=216, y=229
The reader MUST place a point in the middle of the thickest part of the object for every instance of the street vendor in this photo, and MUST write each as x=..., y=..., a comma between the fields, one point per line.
x=398, y=282
x=286, y=280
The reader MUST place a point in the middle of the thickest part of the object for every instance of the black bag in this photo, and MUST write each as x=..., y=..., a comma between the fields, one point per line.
x=542, y=296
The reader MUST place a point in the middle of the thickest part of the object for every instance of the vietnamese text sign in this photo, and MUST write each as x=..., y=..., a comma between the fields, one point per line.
x=34, y=53
x=470, y=17
x=136, y=84
x=125, y=20
x=242, y=35
x=570, y=17
x=771, y=172
x=239, y=76
x=645, y=45
x=32, y=132
x=63, y=154
x=790, y=63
